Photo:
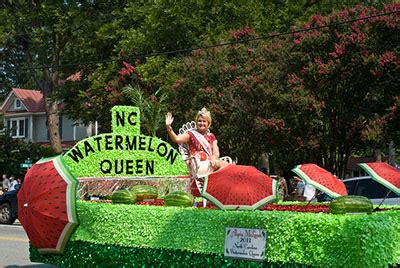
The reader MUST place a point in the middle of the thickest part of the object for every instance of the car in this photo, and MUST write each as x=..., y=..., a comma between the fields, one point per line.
x=9, y=207
x=373, y=190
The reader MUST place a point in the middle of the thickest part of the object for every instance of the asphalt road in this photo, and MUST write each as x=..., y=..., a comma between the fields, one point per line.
x=14, y=248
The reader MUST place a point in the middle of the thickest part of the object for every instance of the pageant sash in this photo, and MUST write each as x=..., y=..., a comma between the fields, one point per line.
x=206, y=145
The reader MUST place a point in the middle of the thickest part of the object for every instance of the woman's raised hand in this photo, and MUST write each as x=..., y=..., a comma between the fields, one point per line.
x=168, y=119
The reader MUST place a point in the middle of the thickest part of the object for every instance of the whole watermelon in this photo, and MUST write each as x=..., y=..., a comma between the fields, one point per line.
x=144, y=192
x=351, y=204
x=123, y=197
x=179, y=199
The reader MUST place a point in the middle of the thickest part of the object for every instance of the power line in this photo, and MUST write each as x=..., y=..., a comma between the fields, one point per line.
x=187, y=50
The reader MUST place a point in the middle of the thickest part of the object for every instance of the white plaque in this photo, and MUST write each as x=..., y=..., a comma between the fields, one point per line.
x=246, y=244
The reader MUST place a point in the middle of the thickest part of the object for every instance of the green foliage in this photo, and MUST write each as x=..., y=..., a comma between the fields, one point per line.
x=92, y=98
x=314, y=97
x=39, y=37
x=352, y=74
x=125, y=30
x=16, y=151
x=243, y=86
x=152, y=108
x=167, y=26
x=306, y=238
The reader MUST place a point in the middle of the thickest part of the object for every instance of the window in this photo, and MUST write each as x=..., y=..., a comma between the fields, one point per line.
x=371, y=189
x=18, y=127
x=17, y=104
x=350, y=186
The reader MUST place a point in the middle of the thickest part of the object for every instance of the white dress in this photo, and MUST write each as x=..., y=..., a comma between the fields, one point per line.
x=309, y=192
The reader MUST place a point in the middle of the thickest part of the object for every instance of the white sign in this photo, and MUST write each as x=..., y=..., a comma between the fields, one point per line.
x=246, y=244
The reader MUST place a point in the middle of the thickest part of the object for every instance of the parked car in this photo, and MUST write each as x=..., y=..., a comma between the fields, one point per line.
x=371, y=189
x=9, y=207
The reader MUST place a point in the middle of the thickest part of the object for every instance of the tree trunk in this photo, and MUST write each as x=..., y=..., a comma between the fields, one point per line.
x=53, y=125
x=52, y=80
x=378, y=155
x=263, y=163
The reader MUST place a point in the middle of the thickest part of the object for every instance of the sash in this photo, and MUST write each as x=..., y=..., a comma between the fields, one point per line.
x=204, y=143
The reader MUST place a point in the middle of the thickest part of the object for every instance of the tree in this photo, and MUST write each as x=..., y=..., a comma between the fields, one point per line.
x=352, y=71
x=15, y=152
x=39, y=36
x=241, y=85
x=312, y=98
x=135, y=30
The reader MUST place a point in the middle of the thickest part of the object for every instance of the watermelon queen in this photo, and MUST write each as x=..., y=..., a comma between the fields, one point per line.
x=203, y=145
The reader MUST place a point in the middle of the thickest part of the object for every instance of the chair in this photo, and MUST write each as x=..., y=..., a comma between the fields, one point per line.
x=192, y=162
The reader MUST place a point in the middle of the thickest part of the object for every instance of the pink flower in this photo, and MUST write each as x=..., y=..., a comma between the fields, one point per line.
x=129, y=67
x=178, y=82
x=293, y=79
x=387, y=58
x=127, y=70
x=376, y=73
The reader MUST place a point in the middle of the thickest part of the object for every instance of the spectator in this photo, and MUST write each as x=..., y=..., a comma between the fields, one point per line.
x=6, y=183
x=309, y=193
x=298, y=184
x=283, y=188
x=13, y=183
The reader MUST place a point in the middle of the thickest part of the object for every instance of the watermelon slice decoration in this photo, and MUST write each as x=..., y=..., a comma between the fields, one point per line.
x=237, y=187
x=321, y=179
x=46, y=205
x=385, y=174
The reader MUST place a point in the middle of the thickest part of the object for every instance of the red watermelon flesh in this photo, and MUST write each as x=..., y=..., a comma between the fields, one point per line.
x=321, y=179
x=385, y=174
x=42, y=206
x=242, y=187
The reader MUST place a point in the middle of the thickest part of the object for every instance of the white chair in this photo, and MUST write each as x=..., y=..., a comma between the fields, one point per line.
x=196, y=170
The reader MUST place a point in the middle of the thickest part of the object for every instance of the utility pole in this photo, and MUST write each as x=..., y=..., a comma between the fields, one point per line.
x=392, y=154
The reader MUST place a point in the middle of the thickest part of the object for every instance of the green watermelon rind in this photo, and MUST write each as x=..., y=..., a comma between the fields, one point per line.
x=351, y=204
x=307, y=179
x=145, y=192
x=179, y=199
x=72, y=182
x=255, y=206
x=379, y=179
x=124, y=196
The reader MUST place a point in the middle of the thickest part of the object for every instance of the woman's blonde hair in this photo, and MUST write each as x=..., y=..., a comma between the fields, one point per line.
x=205, y=114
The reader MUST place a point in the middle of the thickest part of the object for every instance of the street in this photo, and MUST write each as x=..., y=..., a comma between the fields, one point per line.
x=14, y=248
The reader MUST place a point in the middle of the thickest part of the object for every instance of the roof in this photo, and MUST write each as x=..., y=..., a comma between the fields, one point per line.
x=353, y=161
x=33, y=100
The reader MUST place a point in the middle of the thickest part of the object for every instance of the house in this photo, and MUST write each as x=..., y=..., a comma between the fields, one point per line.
x=353, y=169
x=24, y=114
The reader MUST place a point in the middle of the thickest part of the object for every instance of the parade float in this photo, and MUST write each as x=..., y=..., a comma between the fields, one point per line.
x=238, y=227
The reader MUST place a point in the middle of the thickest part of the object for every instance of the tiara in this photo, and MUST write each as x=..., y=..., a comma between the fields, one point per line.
x=203, y=111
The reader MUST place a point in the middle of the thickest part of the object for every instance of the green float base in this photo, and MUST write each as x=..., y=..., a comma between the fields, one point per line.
x=85, y=254
x=111, y=235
